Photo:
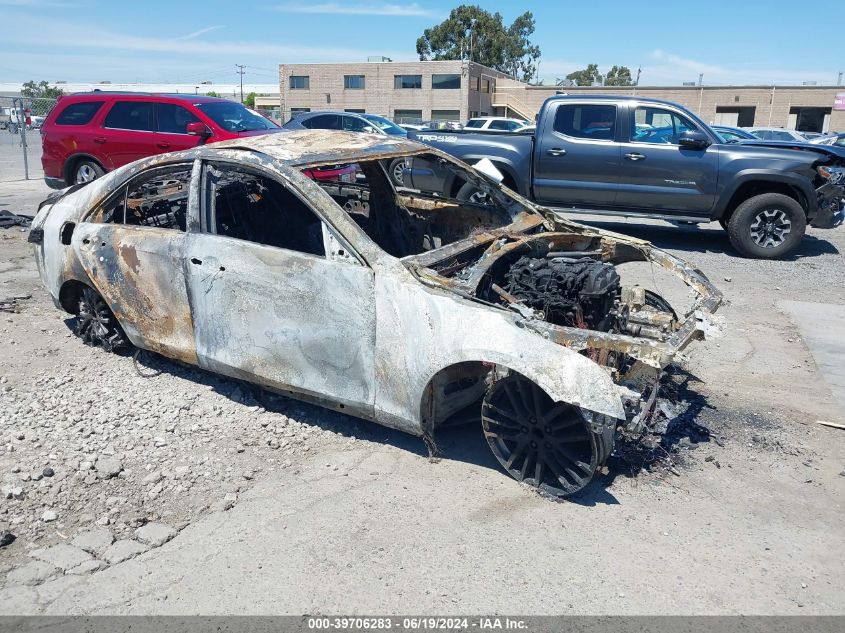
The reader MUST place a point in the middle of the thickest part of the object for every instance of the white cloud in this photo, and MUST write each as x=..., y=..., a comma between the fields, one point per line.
x=195, y=34
x=393, y=10
x=41, y=4
x=85, y=36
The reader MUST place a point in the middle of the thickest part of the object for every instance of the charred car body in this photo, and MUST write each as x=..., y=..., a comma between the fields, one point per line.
x=401, y=305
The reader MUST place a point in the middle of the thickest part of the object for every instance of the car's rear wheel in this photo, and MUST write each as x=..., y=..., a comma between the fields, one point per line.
x=768, y=226
x=545, y=444
x=96, y=324
x=86, y=171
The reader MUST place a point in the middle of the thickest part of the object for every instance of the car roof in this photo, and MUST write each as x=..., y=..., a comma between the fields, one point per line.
x=153, y=96
x=300, y=115
x=300, y=147
x=494, y=118
x=589, y=97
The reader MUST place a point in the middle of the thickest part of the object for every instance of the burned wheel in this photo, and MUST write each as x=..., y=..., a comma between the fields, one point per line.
x=95, y=323
x=545, y=444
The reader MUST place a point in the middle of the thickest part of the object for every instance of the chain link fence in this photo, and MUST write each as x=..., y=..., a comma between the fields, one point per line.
x=20, y=142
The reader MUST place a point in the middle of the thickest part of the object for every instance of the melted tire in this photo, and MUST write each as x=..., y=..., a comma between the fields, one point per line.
x=544, y=444
x=96, y=325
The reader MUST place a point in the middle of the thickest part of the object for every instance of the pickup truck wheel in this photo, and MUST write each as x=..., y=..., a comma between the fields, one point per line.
x=397, y=165
x=86, y=171
x=470, y=193
x=768, y=226
x=542, y=443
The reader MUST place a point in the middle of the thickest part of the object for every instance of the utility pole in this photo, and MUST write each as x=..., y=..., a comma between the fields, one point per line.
x=241, y=71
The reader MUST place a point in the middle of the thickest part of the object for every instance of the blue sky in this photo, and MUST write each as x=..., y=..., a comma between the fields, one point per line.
x=741, y=41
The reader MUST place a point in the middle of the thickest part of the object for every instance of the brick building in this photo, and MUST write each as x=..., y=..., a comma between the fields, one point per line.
x=404, y=91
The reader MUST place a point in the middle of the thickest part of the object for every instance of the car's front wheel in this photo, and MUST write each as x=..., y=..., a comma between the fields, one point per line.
x=86, y=171
x=545, y=444
x=96, y=324
x=767, y=226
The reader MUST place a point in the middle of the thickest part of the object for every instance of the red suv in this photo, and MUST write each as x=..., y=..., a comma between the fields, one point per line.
x=88, y=134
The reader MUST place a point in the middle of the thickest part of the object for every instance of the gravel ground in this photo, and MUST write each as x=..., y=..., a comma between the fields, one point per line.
x=99, y=464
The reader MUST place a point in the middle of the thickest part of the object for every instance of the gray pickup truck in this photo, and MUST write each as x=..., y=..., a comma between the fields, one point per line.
x=654, y=159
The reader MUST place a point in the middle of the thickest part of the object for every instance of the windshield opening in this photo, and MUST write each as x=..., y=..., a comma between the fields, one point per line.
x=386, y=125
x=409, y=206
x=234, y=117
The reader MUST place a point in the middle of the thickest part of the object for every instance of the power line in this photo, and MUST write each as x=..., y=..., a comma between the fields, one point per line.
x=241, y=71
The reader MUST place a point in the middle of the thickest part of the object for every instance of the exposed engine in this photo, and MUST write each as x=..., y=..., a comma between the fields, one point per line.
x=576, y=292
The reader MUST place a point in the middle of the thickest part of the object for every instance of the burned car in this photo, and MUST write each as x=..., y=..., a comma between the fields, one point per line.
x=399, y=304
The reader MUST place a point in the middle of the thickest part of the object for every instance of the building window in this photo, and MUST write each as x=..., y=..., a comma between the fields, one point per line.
x=485, y=85
x=452, y=81
x=356, y=110
x=353, y=82
x=300, y=82
x=445, y=115
x=475, y=83
x=407, y=81
x=407, y=116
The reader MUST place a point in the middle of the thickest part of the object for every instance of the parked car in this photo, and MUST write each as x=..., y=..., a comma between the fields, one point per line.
x=89, y=134
x=833, y=139
x=733, y=134
x=528, y=129
x=348, y=121
x=494, y=123
x=400, y=305
x=776, y=134
x=636, y=157
x=352, y=122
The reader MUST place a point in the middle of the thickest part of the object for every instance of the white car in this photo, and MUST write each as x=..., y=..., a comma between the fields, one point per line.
x=399, y=304
x=495, y=123
x=776, y=134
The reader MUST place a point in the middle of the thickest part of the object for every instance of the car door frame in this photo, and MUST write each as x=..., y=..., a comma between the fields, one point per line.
x=154, y=311
x=165, y=140
x=127, y=136
x=658, y=200
x=601, y=192
x=348, y=385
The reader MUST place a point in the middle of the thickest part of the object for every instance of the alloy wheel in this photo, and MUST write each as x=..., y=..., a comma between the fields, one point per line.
x=95, y=324
x=85, y=173
x=542, y=443
x=770, y=228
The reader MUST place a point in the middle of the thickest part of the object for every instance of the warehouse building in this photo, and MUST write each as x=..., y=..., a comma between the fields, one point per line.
x=407, y=92
x=457, y=90
x=803, y=108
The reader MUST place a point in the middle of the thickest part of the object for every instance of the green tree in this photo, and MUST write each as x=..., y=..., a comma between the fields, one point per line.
x=40, y=90
x=211, y=93
x=474, y=34
x=587, y=76
x=249, y=100
x=618, y=76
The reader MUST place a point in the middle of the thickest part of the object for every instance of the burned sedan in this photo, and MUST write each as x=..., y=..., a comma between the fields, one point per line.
x=399, y=304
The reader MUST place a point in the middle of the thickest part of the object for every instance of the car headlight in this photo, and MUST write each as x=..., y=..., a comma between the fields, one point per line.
x=834, y=175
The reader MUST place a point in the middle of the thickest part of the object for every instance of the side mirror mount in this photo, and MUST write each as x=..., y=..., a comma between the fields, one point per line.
x=693, y=139
x=197, y=128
